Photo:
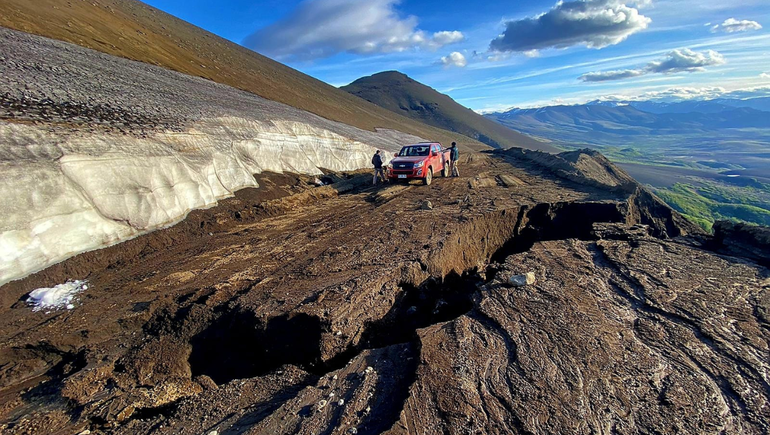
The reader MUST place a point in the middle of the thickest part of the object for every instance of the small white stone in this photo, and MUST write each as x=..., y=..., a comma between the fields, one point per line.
x=522, y=280
x=341, y=402
x=334, y=377
x=321, y=404
x=369, y=370
x=214, y=432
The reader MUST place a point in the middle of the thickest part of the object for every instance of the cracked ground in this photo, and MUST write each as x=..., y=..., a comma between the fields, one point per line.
x=348, y=308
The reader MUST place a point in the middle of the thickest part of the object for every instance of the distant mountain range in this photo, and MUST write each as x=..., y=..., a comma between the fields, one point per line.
x=401, y=94
x=707, y=106
x=603, y=123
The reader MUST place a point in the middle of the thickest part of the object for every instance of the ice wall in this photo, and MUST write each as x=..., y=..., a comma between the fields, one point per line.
x=69, y=193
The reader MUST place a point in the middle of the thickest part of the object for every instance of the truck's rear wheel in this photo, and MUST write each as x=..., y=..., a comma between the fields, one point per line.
x=445, y=171
x=428, y=177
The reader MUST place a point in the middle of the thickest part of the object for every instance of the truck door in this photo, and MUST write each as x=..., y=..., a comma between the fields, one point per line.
x=434, y=161
x=438, y=165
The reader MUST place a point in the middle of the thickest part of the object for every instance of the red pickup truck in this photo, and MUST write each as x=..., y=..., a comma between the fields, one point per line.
x=422, y=160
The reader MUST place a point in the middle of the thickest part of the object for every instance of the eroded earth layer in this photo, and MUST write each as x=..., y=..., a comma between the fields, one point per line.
x=344, y=308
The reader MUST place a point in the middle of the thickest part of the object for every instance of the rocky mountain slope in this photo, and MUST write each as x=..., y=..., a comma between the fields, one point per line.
x=136, y=31
x=402, y=95
x=89, y=158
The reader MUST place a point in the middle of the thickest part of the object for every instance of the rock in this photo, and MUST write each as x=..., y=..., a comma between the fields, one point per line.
x=206, y=382
x=743, y=240
x=426, y=205
x=522, y=280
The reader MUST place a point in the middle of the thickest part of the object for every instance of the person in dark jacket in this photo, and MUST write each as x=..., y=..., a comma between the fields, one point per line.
x=455, y=154
x=377, y=162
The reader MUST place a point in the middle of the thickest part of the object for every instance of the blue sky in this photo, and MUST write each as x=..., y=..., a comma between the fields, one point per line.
x=495, y=55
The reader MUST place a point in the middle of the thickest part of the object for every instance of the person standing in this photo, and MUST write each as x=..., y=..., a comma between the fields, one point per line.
x=455, y=154
x=377, y=162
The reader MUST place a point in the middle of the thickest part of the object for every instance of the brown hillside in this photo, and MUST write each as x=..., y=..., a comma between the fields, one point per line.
x=136, y=31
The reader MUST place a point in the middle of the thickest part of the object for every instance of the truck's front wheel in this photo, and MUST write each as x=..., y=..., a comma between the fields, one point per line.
x=445, y=171
x=428, y=177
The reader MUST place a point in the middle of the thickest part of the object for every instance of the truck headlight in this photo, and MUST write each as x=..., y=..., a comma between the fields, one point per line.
x=419, y=164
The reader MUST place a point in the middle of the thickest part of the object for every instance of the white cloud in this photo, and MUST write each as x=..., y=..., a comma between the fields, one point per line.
x=669, y=95
x=685, y=60
x=731, y=25
x=692, y=93
x=680, y=60
x=454, y=58
x=446, y=37
x=593, y=23
x=322, y=28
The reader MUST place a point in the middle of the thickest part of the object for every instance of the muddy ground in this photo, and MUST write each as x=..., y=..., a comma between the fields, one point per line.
x=348, y=308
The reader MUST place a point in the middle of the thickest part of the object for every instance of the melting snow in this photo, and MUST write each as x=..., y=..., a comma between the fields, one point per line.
x=59, y=296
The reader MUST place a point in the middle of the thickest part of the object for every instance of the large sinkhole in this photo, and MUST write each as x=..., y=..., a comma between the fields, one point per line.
x=432, y=302
x=238, y=345
x=559, y=221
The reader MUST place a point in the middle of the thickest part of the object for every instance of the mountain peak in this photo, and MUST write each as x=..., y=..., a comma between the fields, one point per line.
x=401, y=94
x=384, y=76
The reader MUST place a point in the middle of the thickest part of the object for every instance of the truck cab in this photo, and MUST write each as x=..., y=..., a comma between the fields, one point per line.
x=419, y=161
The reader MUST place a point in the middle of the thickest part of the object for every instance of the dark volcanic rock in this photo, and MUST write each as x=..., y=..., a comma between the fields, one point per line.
x=585, y=166
x=743, y=240
x=590, y=168
x=636, y=336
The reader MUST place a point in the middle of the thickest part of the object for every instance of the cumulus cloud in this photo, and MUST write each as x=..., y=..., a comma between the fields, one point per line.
x=685, y=60
x=446, y=37
x=454, y=59
x=731, y=25
x=593, y=23
x=681, y=60
x=323, y=28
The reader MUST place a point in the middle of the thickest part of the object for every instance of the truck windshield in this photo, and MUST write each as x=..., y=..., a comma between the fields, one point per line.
x=421, y=150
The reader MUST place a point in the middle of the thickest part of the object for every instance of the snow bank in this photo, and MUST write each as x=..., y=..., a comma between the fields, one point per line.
x=69, y=193
x=59, y=296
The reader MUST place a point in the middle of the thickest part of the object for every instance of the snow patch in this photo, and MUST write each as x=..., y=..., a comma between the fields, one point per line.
x=56, y=297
